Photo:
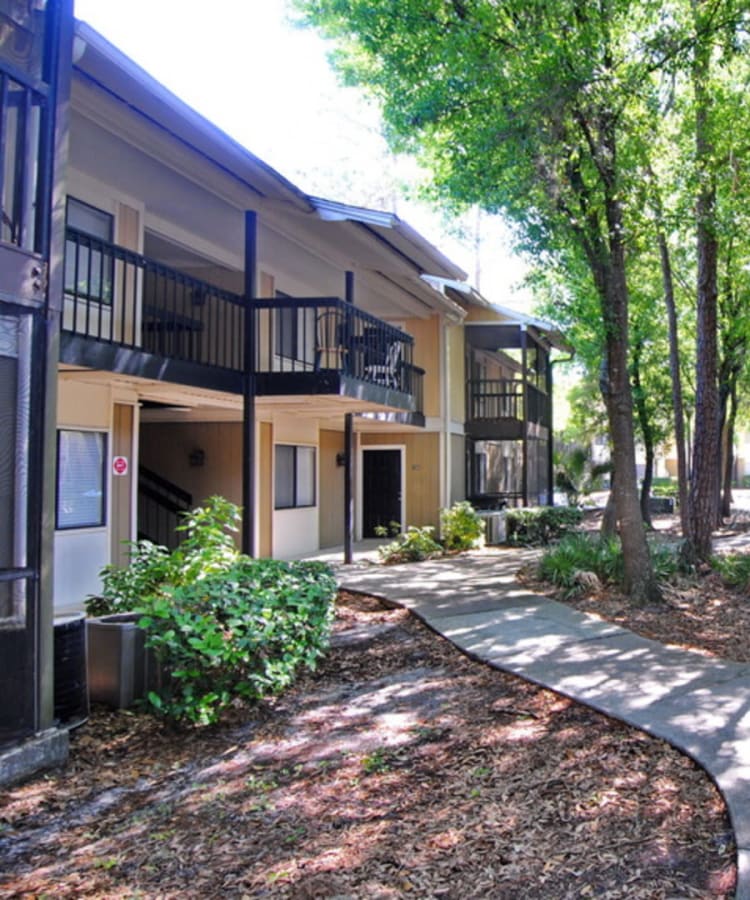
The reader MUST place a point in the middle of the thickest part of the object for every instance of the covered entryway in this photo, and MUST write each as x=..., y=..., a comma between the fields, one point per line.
x=382, y=488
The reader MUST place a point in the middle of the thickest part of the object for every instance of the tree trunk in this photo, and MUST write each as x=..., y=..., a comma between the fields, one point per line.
x=729, y=427
x=609, y=518
x=639, y=581
x=647, y=434
x=703, y=485
x=683, y=475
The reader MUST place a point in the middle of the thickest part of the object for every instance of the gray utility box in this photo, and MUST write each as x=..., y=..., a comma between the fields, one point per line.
x=120, y=667
x=494, y=525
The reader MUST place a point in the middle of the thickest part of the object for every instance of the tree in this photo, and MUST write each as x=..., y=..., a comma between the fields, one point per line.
x=523, y=108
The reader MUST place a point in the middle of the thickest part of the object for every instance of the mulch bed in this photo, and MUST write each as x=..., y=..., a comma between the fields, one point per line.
x=400, y=769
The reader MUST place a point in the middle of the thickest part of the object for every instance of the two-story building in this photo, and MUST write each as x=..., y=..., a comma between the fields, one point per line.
x=214, y=330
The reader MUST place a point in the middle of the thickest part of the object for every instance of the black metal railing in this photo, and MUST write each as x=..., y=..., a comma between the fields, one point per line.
x=22, y=181
x=118, y=296
x=498, y=398
x=299, y=335
x=161, y=504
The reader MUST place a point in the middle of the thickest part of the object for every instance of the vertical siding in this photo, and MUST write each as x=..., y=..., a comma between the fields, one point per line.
x=265, y=490
x=422, y=474
x=122, y=485
x=426, y=334
x=331, y=490
x=458, y=468
x=165, y=448
x=457, y=373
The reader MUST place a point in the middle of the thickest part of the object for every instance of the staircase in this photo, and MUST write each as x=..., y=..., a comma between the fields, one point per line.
x=160, y=504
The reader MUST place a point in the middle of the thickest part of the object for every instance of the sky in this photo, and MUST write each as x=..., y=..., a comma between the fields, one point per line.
x=268, y=84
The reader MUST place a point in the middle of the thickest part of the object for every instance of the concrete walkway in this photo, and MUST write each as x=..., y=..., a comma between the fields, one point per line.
x=699, y=704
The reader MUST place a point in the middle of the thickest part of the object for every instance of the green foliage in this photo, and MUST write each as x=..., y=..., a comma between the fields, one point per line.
x=734, y=569
x=541, y=524
x=391, y=529
x=577, y=474
x=665, y=487
x=563, y=564
x=223, y=626
x=238, y=633
x=150, y=566
x=414, y=545
x=461, y=528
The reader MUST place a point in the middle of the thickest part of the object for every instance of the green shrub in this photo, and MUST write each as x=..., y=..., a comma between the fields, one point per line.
x=665, y=487
x=576, y=553
x=734, y=569
x=541, y=524
x=414, y=545
x=150, y=566
x=223, y=626
x=461, y=528
x=563, y=564
x=239, y=633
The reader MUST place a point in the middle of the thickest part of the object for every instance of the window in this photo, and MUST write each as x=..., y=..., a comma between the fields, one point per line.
x=88, y=262
x=81, y=459
x=294, y=481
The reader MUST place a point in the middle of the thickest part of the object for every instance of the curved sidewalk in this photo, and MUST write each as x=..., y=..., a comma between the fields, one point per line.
x=699, y=704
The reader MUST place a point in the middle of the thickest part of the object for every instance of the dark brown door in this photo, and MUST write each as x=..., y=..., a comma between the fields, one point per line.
x=381, y=490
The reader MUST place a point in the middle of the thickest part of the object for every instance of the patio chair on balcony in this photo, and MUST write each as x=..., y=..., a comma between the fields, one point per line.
x=331, y=348
x=387, y=373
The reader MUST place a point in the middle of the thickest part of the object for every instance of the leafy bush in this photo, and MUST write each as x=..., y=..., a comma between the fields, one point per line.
x=734, y=569
x=460, y=527
x=222, y=625
x=414, y=545
x=208, y=547
x=665, y=487
x=541, y=524
x=563, y=564
x=238, y=633
x=576, y=553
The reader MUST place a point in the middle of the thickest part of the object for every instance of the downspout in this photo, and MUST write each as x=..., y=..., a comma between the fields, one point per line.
x=348, y=456
x=445, y=442
x=248, y=408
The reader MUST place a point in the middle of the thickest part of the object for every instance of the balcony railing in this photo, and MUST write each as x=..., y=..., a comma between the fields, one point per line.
x=499, y=398
x=327, y=335
x=118, y=296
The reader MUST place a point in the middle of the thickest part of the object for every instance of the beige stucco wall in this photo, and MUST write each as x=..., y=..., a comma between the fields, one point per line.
x=331, y=500
x=426, y=334
x=456, y=372
x=422, y=473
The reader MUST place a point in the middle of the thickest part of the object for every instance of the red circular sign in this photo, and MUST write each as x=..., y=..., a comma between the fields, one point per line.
x=120, y=465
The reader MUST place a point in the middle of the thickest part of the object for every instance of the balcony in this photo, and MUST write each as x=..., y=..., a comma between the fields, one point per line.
x=127, y=313
x=327, y=346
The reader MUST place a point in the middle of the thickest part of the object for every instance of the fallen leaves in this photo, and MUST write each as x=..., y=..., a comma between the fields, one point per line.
x=399, y=769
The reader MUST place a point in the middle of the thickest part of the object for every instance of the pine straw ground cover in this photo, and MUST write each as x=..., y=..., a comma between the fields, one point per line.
x=700, y=613
x=400, y=769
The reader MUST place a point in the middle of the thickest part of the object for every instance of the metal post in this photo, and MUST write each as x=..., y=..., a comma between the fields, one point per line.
x=52, y=222
x=348, y=492
x=349, y=287
x=248, y=408
x=550, y=439
x=525, y=446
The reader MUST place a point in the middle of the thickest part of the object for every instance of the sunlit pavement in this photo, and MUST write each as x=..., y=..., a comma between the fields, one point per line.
x=699, y=704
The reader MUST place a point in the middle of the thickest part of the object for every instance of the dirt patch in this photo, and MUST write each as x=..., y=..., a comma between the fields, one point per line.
x=401, y=768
